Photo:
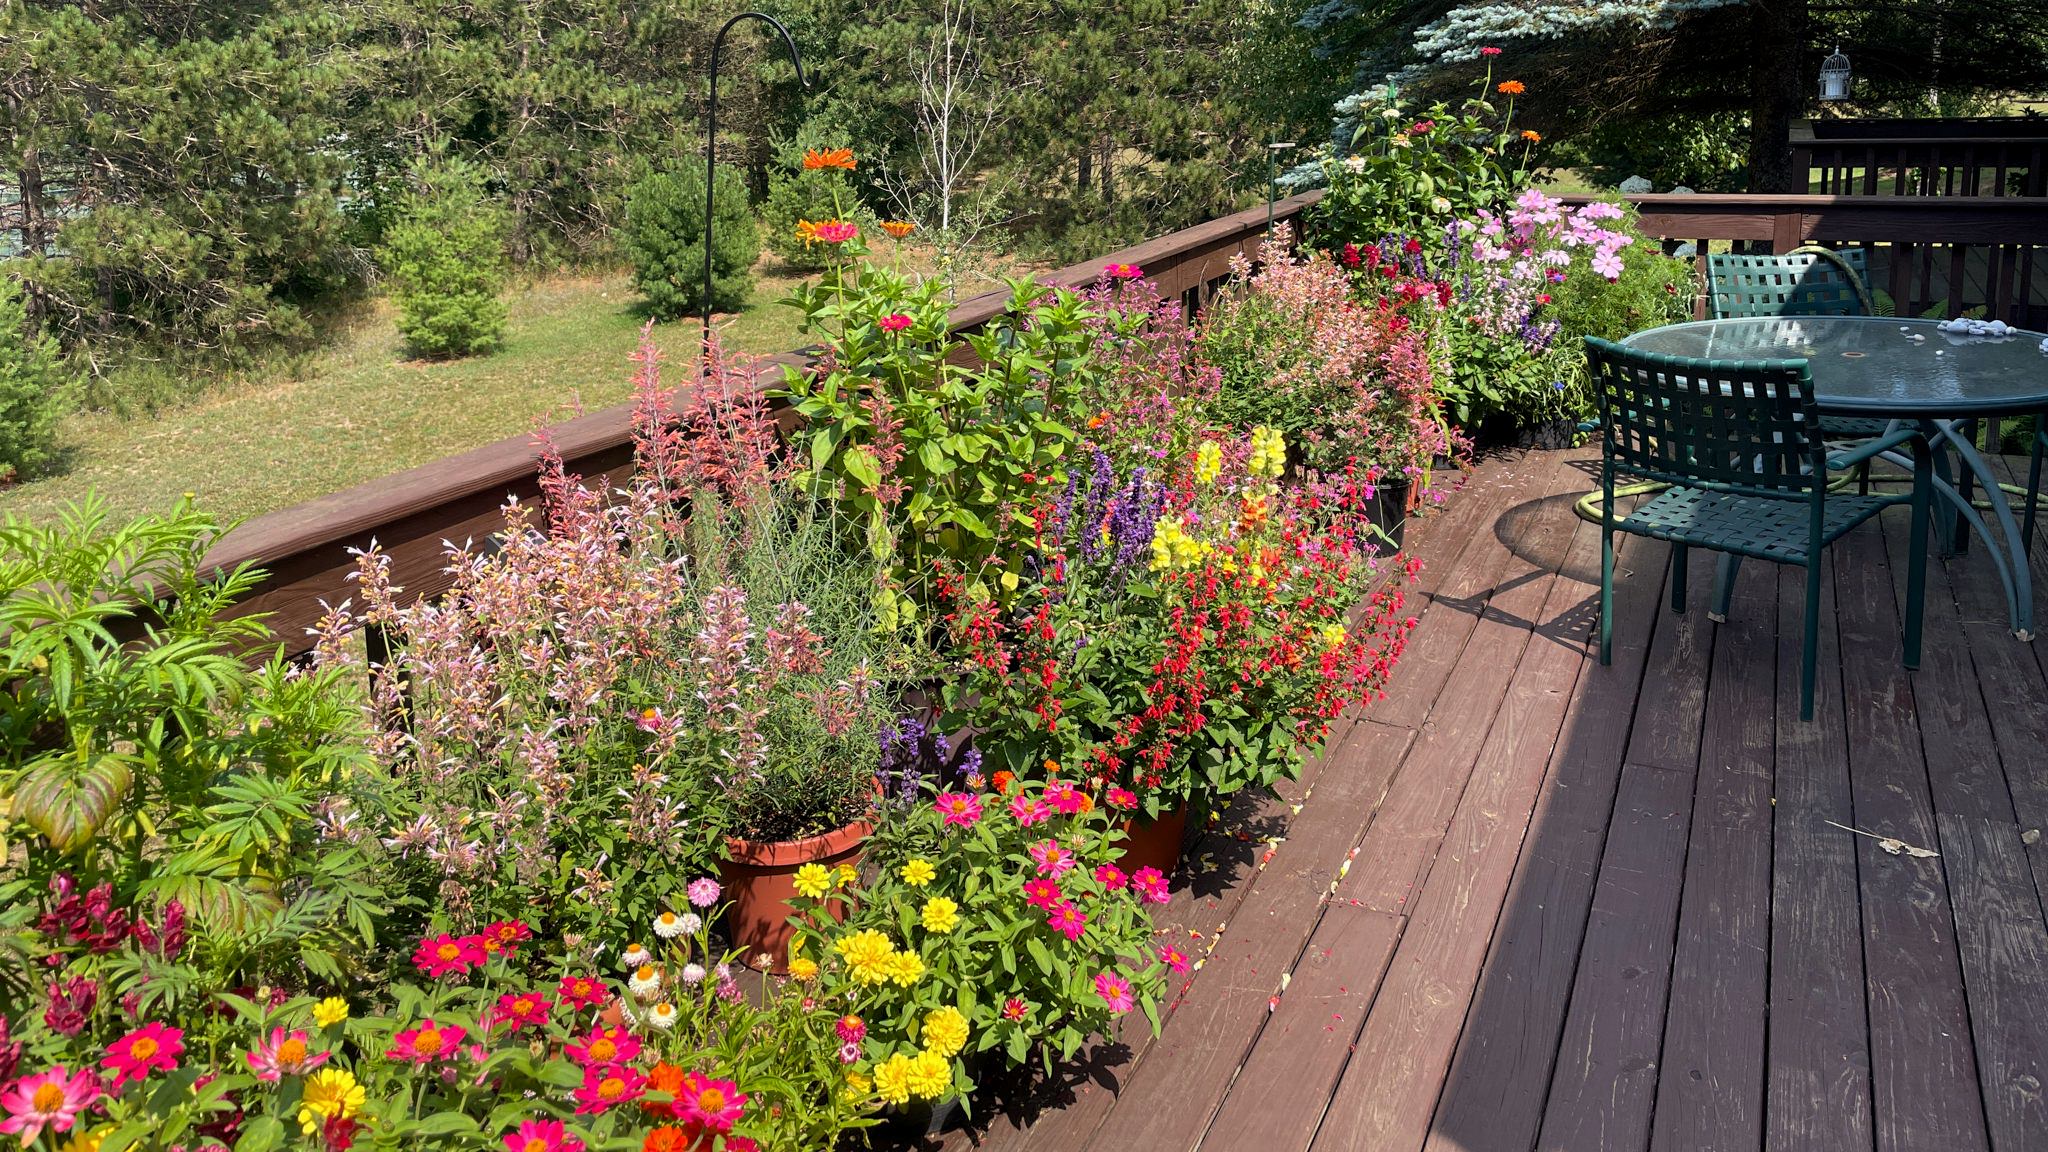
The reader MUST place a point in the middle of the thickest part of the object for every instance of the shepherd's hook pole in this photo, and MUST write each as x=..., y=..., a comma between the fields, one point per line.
x=711, y=149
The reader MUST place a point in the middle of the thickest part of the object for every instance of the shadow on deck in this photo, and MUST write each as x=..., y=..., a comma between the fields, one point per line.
x=1530, y=902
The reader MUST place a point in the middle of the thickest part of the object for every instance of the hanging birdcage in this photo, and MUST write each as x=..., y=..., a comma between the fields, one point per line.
x=1834, y=77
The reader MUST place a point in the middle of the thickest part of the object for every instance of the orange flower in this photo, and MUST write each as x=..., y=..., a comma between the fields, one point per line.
x=834, y=158
x=1510, y=88
x=663, y=1077
x=898, y=228
x=806, y=232
x=1002, y=781
x=1532, y=136
x=1098, y=420
x=1052, y=767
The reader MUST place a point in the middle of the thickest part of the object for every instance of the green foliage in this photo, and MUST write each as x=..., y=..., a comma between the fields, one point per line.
x=1703, y=152
x=935, y=460
x=140, y=748
x=31, y=390
x=445, y=259
x=664, y=239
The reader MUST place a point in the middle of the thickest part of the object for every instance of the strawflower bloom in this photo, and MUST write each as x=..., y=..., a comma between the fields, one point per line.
x=331, y=1094
x=829, y=158
x=668, y=926
x=940, y=915
x=541, y=1136
x=635, y=955
x=662, y=1017
x=645, y=982
x=1115, y=992
x=438, y=956
x=961, y=808
x=329, y=1012
x=714, y=1104
x=284, y=1054
x=851, y=1029
x=603, y=1046
x=704, y=892
x=1015, y=1009
x=580, y=992
x=154, y=1046
x=693, y=974
x=49, y=1099
x=427, y=1043
x=604, y=1088
x=898, y=229
x=894, y=322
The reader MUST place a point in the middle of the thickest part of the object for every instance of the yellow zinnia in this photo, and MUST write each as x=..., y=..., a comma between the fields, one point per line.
x=905, y=968
x=803, y=968
x=930, y=1075
x=892, y=1079
x=330, y=1012
x=940, y=915
x=813, y=881
x=330, y=1093
x=918, y=873
x=844, y=875
x=856, y=1086
x=87, y=1141
x=945, y=1031
x=868, y=954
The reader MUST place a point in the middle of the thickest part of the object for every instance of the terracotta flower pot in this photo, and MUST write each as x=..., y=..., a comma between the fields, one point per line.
x=1155, y=843
x=760, y=881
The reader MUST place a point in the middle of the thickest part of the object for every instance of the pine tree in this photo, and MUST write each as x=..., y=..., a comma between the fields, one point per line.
x=445, y=256
x=664, y=238
x=30, y=382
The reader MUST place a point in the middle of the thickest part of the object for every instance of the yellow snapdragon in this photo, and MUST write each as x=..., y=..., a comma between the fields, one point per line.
x=1269, y=452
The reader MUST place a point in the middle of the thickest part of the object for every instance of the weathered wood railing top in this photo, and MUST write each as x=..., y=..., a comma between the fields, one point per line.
x=305, y=549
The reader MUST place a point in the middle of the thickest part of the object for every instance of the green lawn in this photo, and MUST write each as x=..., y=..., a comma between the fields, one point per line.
x=358, y=410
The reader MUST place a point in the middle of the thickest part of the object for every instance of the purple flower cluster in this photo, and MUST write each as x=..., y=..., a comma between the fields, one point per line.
x=1102, y=518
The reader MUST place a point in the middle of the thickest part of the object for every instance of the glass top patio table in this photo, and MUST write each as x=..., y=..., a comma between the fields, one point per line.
x=1874, y=365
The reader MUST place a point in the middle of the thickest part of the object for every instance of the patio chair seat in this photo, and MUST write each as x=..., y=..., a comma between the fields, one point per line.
x=1853, y=427
x=1766, y=527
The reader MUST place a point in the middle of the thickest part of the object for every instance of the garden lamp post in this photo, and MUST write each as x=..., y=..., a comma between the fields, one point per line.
x=1834, y=77
x=711, y=147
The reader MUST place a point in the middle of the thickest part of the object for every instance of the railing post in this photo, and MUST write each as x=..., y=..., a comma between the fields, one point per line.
x=1787, y=231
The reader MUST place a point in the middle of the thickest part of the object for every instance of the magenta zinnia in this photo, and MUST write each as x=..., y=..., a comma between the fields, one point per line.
x=427, y=1043
x=604, y=1047
x=1110, y=876
x=962, y=808
x=1052, y=860
x=895, y=322
x=51, y=1099
x=835, y=232
x=525, y=1009
x=1115, y=992
x=714, y=1104
x=1044, y=893
x=152, y=1046
x=605, y=1088
x=1029, y=810
x=440, y=955
x=541, y=1136
x=1067, y=920
x=580, y=991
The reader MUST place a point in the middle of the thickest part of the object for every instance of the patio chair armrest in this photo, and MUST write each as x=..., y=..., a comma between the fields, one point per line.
x=1870, y=448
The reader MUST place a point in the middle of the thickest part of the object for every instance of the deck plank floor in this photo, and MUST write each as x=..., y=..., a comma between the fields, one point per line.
x=1618, y=907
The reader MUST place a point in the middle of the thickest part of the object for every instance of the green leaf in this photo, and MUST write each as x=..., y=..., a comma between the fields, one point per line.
x=68, y=801
x=859, y=462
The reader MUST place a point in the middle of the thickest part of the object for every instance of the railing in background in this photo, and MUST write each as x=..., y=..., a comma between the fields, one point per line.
x=1947, y=254
x=1967, y=157
x=305, y=548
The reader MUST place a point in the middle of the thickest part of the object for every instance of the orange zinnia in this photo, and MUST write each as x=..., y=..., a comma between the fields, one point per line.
x=898, y=228
x=1510, y=87
x=832, y=158
x=1532, y=136
x=806, y=231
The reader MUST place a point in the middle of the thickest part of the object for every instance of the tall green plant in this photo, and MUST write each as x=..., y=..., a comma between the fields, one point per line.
x=31, y=380
x=664, y=238
x=446, y=259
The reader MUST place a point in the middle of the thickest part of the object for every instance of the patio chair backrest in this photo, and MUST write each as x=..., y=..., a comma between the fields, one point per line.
x=1798, y=284
x=1733, y=425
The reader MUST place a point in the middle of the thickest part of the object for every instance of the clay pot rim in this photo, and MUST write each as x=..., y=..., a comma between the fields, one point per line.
x=810, y=849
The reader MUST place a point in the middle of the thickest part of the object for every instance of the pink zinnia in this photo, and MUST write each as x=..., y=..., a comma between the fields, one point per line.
x=51, y=1099
x=1174, y=959
x=1065, y=799
x=962, y=808
x=284, y=1054
x=1044, y=893
x=1015, y=1009
x=541, y=1136
x=1115, y=992
x=1052, y=860
x=605, y=1088
x=1029, y=810
x=440, y=955
x=715, y=1104
x=835, y=232
x=704, y=892
x=152, y=1046
x=1123, y=271
x=894, y=322
x=1110, y=876
x=1067, y=920
x=505, y=936
x=427, y=1043
x=1150, y=884
x=520, y=1010
x=1122, y=798
x=581, y=992
x=604, y=1046
x=1489, y=51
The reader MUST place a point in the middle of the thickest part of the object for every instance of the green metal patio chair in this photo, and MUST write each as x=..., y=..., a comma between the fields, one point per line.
x=1740, y=444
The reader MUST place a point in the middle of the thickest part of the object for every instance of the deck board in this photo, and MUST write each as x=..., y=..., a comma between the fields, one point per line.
x=1622, y=907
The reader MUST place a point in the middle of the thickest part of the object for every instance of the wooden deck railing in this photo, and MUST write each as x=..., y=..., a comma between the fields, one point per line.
x=1976, y=156
x=305, y=548
x=1949, y=254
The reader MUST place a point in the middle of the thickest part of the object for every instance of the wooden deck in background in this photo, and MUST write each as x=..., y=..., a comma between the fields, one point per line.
x=1529, y=902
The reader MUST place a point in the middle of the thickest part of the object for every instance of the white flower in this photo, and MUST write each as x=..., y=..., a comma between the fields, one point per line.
x=692, y=923
x=662, y=1016
x=634, y=956
x=668, y=926
x=1354, y=164
x=645, y=982
x=693, y=974
x=1440, y=205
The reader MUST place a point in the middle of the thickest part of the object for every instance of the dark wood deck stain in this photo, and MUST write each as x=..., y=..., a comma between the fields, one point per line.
x=1617, y=907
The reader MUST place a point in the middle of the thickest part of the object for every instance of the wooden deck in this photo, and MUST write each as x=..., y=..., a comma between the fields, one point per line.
x=1530, y=902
